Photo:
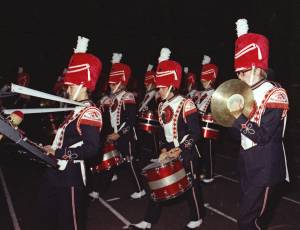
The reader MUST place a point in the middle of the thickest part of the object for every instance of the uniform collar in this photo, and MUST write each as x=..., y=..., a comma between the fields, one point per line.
x=150, y=90
x=256, y=85
x=118, y=93
x=172, y=98
x=86, y=102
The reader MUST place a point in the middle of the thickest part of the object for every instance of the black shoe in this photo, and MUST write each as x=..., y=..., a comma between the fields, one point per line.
x=187, y=228
x=133, y=227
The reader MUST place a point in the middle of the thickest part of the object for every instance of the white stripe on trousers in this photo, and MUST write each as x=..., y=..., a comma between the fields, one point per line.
x=74, y=208
x=132, y=168
x=193, y=189
x=263, y=206
x=210, y=160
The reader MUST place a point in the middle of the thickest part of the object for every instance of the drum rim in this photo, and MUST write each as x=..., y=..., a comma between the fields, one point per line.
x=210, y=129
x=111, y=154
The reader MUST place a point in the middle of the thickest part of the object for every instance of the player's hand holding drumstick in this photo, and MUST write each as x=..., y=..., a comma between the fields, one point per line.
x=172, y=153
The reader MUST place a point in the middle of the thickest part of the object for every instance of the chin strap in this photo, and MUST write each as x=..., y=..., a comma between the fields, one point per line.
x=252, y=75
x=77, y=92
x=149, y=87
x=190, y=87
x=117, y=87
x=168, y=92
x=208, y=85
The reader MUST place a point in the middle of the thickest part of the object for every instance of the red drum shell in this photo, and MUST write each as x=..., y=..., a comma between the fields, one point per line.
x=210, y=133
x=148, y=122
x=111, y=159
x=173, y=190
x=166, y=181
x=207, y=118
x=209, y=129
x=148, y=116
x=147, y=128
x=108, y=148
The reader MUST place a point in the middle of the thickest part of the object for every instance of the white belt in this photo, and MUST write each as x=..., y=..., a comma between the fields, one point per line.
x=121, y=127
x=79, y=143
x=176, y=143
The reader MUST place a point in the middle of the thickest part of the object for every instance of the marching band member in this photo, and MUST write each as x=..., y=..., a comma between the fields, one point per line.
x=23, y=79
x=180, y=121
x=99, y=181
x=262, y=161
x=192, y=92
x=15, y=119
x=123, y=116
x=148, y=125
x=210, y=130
x=77, y=139
x=104, y=104
x=53, y=120
x=59, y=88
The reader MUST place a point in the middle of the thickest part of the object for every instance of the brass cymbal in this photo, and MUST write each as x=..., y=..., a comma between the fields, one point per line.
x=219, y=99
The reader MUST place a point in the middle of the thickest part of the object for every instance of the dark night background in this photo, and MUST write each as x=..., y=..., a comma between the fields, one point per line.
x=41, y=35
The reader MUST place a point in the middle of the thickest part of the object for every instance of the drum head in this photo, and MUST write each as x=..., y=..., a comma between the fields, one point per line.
x=158, y=164
x=152, y=166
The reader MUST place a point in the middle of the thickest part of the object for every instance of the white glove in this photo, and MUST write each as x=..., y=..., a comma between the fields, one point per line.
x=235, y=103
x=62, y=164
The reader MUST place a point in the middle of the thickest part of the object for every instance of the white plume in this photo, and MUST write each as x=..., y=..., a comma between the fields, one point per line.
x=241, y=27
x=20, y=69
x=116, y=58
x=164, y=54
x=149, y=68
x=82, y=45
x=186, y=69
x=206, y=60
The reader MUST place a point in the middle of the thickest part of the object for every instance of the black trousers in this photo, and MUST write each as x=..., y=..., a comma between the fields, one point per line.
x=207, y=150
x=146, y=149
x=101, y=181
x=256, y=206
x=61, y=208
x=193, y=196
x=126, y=146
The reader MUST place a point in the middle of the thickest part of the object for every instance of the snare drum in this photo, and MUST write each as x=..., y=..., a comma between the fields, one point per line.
x=167, y=180
x=148, y=121
x=111, y=158
x=209, y=128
